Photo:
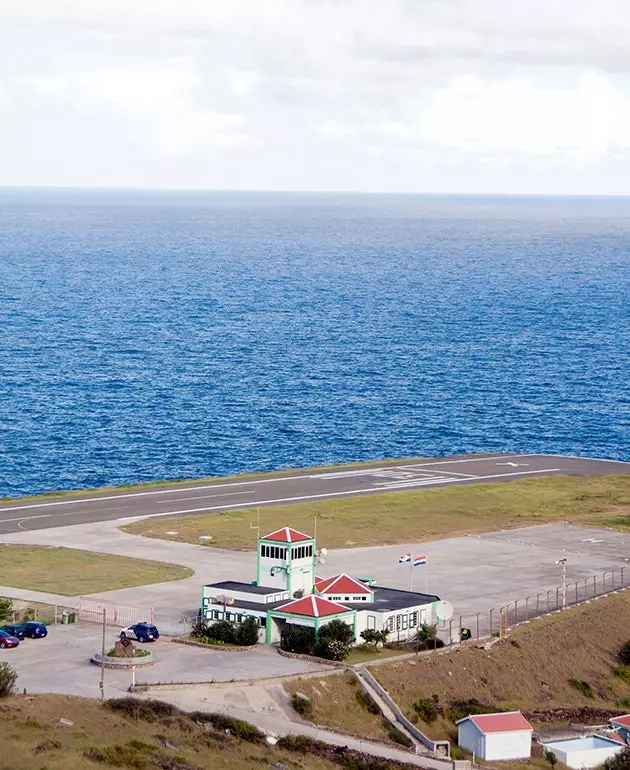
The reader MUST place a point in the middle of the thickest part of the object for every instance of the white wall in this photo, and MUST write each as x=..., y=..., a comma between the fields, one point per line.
x=511, y=745
x=586, y=757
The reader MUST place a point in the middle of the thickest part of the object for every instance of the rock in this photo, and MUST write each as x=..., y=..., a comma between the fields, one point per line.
x=66, y=722
x=301, y=695
x=271, y=740
x=277, y=766
x=168, y=744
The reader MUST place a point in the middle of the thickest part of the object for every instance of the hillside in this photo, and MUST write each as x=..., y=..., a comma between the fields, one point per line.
x=530, y=670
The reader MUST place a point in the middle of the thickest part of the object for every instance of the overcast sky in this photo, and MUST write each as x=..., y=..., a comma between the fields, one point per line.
x=518, y=96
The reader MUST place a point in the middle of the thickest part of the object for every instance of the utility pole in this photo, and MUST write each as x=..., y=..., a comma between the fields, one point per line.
x=101, y=684
x=564, y=581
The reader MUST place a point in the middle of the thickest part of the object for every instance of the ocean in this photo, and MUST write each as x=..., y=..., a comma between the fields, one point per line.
x=165, y=335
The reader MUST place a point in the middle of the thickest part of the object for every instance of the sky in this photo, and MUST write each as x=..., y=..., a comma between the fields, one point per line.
x=433, y=96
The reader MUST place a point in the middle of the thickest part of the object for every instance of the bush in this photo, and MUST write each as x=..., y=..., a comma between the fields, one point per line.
x=427, y=709
x=237, y=727
x=6, y=610
x=145, y=710
x=302, y=704
x=620, y=761
x=199, y=628
x=335, y=640
x=372, y=636
x=246, y=633
x=582, y=686
x=302, y=744
x=623, y=672
x=8, y=678
x=396, y=735
x=624, y=654
x=367, y=701
x=222, y=631
x=459, y=709
x=298, y=639
x=131, y=754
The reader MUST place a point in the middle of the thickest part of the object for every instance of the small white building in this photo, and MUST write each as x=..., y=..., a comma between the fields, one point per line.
x=496, y=736
x=590, y=751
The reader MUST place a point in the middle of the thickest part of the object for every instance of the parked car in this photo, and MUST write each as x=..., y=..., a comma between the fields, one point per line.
x=35, y=630
x=140, y=632
x=14, y=629
x=6, y=640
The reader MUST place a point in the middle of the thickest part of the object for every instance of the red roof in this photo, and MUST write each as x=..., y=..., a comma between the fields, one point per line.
x=287, y=535
x=624, y=721
x=341, y=584
x=499, y=723
x=613, y=736
x=313, y=607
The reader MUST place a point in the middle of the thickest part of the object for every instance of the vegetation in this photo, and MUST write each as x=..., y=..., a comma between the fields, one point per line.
x=302, y=705
x=71, y=572
x=396, y=735
x=297, y=639
x=137, y=654
x=582, y=686
x=130, y=733
x=417, y=514
x=533, y=675
x=372, y=636
x=624, y=654
x=6, y=609
x=8, y=678
x=335, y=640
x=620, y=761
x=244, y=634
x=551, y=758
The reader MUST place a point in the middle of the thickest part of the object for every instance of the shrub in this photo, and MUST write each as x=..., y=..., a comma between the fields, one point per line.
x=8, y=678
x=624, y=654
x=459, y=709
x=302, y=744
x=623, y=672
x=551, y=758
x=620, y=761
x=222, y=631
x=237, y=727
x=372, y=636
x=199, y=628
x=396, y=735
x=6, y=610
x=298, y=639
x=132, y=754
x=582, y=686
x=427, y=709
x=302, y=704
x=246, y=633
x=334, y=640
x=367, y=701
x=145, y=710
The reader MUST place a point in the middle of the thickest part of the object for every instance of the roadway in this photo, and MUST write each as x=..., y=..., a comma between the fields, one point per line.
x=293, y=486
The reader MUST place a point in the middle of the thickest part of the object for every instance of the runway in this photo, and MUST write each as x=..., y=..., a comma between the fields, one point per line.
x=294, y=486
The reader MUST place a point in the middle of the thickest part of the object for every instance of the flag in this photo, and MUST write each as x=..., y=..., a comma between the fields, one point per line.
x=405, y=558
x=419, y=560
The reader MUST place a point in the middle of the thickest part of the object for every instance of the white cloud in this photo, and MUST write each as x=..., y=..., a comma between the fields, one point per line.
x=374, y=94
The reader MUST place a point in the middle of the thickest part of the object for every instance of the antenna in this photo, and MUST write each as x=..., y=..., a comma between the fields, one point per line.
x=256, y=526
x=315, y=528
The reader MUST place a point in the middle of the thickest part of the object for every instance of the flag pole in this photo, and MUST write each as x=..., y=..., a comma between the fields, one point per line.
x=411, y=574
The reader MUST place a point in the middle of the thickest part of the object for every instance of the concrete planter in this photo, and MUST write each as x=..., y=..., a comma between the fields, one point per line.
x=110, y=662
x=217, y=647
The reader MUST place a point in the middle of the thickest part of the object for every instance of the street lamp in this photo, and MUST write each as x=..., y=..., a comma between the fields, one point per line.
x=564, y=581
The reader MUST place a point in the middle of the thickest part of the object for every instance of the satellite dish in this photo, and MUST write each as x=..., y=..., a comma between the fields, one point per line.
x=444, y=610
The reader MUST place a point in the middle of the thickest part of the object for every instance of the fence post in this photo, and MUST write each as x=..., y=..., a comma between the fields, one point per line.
x=594, y=586
x=548, y=592
x=450, y=632
x=558, y=597
x=622, y=577
x=613, y=579
x=490, y=613
x=477, y=625
x=604, y=582
x=576, y=592
x=526, y=608
x=515, y=611
x=537, y=604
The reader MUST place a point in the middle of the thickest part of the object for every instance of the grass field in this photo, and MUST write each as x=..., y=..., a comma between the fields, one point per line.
x=70, y=572
x=32, y=738
x=530, y=670
x=428, y=514
x=175, y=483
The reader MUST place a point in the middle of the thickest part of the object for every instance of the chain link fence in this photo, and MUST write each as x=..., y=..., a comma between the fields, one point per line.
x=496, y=621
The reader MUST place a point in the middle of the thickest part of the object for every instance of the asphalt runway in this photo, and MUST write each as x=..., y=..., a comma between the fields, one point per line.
x=294, y=486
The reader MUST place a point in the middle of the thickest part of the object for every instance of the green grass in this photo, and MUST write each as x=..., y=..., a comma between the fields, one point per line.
x=427, y=514
x=364, y=654
x=176, y=483
x=71, y=572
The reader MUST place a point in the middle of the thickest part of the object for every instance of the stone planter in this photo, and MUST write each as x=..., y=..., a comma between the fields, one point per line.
x=110, y=662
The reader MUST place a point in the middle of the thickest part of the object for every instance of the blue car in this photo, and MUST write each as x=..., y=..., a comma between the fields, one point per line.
x=14, y=629
x=34, y=629
x=140, y=632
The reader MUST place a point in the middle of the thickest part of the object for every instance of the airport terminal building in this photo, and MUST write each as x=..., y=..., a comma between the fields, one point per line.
x=287, y=590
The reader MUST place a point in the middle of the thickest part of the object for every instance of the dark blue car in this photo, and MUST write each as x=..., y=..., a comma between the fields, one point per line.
x=14, y=629
x=34, y=629
x=140, y=632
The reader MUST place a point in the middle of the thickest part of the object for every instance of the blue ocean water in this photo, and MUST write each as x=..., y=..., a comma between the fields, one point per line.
x=168, y=335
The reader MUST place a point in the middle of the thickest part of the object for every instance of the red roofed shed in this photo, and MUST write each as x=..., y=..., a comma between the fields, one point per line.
x=496, y=736
x=286, y=535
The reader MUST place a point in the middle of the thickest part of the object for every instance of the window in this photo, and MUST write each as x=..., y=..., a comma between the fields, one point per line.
x=398, y=622
x=390, y=623
x=263, y=622
x=277, y=597
x=205, y=601
x=239, y=618
x=346, y=598
x=404, y=622
x=371, y=621
x=413, y=620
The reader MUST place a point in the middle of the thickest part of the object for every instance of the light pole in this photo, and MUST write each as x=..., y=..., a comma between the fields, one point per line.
x=101, y=684
x=564, y=581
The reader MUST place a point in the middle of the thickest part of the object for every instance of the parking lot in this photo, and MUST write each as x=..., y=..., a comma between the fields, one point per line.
x=60, y=663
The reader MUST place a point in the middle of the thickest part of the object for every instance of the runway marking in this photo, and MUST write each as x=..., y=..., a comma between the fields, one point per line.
x=202, y=497
x=70, y=513
x=326, y=494
x=216, y=485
